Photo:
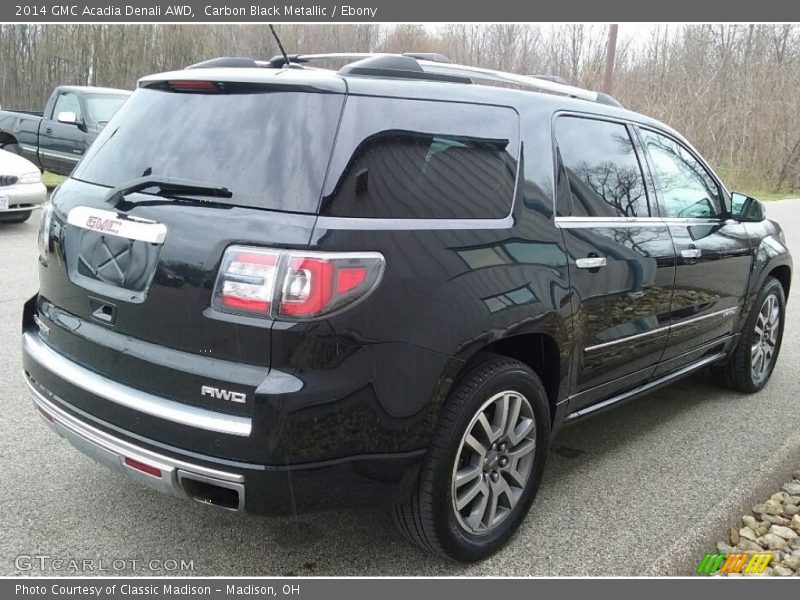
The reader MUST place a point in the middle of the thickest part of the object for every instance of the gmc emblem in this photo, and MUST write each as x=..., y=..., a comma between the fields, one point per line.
x=100, y=224
x=221, y=394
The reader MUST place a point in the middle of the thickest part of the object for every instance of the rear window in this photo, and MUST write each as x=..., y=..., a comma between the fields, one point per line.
x=270, y=148
x=414, y=159
x=101, y=107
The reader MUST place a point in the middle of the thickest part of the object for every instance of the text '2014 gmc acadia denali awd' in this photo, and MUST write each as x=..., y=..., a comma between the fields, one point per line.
x=274, y=289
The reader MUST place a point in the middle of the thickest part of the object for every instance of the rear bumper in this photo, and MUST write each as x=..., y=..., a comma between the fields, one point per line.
x=59, y=387
x=166, y=474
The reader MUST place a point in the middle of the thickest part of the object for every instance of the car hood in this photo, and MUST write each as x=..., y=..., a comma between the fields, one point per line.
x=13, y=164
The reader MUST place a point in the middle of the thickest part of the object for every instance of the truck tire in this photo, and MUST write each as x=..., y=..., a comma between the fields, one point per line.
x=477, y=484
x=750, y=366
x=15, y=217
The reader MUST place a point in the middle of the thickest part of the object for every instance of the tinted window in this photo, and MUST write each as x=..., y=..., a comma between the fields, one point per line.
x=684, y=186
x=67, y=102
x=411, y=159
x=605, y=179
x=270, y=149
x=102, y=107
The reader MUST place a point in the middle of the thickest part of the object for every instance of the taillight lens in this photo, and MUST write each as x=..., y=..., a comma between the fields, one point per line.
x=293, y=285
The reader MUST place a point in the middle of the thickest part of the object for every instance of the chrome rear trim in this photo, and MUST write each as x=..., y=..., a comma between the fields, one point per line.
x=112, y=452
x=129, y=397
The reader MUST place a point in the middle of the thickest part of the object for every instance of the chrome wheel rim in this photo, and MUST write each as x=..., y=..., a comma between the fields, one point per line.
x=493, y=462
x=765, y=338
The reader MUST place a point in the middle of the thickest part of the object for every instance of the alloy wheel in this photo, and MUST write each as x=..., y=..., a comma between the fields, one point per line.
x=493, y=462
x=765, y=338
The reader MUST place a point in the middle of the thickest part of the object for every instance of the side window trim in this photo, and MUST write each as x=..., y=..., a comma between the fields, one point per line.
x=644, y=168
x=653, y=200
x=723, y=192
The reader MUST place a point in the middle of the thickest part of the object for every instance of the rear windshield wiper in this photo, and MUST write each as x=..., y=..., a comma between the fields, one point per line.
x=167, y=186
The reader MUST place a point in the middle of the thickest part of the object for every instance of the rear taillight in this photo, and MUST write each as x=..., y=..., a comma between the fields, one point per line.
x=293, y=285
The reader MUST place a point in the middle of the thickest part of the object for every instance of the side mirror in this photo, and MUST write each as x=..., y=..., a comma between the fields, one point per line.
x=745, y=208
x=68, y=117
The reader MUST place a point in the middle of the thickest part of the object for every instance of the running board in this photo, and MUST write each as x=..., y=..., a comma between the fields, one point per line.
x=647, y=387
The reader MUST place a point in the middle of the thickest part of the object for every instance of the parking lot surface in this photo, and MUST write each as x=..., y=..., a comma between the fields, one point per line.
x=647, y=488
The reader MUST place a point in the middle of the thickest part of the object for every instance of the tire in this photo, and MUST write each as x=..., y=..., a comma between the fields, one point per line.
x=13, y=148
x=16, y=217
x=744, y=372
x=430, y=518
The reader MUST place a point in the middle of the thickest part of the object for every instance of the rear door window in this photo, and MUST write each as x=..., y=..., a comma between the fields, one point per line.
x=414, y=159
x=602, y=168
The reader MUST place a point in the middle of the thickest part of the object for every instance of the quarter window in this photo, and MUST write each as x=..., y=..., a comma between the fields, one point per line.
x=684, y=186
x=415, y=159
x=605, y=178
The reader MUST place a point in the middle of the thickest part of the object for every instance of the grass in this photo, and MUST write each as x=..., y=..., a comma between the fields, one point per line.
x=768, y=196
x=51, y=180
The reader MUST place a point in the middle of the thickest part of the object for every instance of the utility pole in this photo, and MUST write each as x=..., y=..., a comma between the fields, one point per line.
x=611, y=53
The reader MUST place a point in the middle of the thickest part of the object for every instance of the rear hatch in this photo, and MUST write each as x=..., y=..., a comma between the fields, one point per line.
x=126, y=282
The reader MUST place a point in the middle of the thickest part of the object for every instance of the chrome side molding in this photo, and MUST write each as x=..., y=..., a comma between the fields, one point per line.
x=650, y=385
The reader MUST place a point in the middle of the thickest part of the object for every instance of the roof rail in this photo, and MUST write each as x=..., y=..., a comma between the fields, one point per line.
x=435, y=66
x=538, y=83
x=395, y=65
x=442, y=66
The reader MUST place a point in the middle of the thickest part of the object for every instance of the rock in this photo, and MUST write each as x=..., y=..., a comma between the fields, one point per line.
x=735, y=535
x=793, y=562
x=792, y=488
x=746, y=533
x=748, y=546
x=750, y=522
x=791, y=509
x=773, y=542
x=795, y=522
x=771, y=507
x=796, y=473
x=784, y=532
x=776, y=520
x=724, y=548
x=782, y=571
x=781, y=497
x=762, y=529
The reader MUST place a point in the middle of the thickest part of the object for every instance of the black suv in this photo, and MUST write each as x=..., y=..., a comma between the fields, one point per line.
x=275, y=288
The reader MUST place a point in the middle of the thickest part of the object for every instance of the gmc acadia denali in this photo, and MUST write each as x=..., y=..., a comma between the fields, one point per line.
x=276, y=288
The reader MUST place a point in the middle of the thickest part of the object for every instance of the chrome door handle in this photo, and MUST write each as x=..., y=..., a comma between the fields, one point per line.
x=691, y=253
x=593, y=262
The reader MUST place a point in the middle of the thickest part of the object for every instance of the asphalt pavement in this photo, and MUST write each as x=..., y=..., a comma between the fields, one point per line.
x=647, y=488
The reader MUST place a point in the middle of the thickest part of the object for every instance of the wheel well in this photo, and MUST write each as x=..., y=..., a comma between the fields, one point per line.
x=784, y=275
x=7, y=138
x=540, y=352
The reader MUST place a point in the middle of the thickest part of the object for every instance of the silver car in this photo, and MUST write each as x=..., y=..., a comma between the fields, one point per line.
x=21, y=188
